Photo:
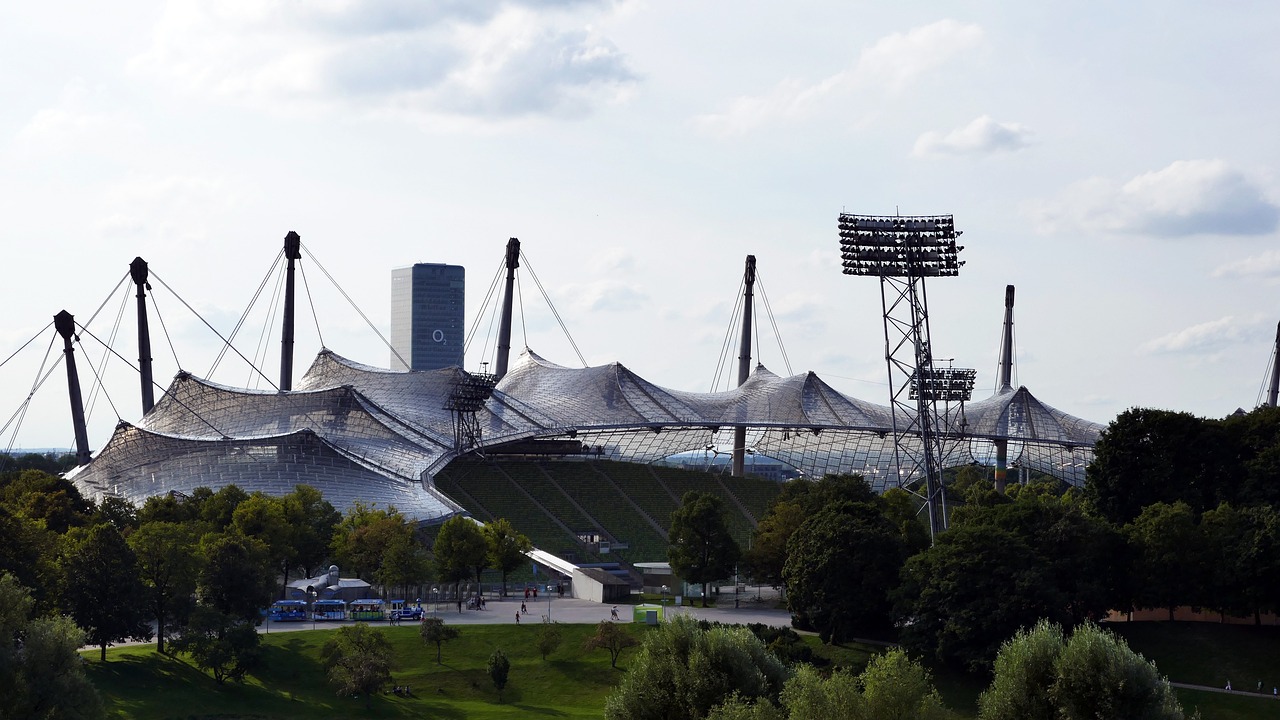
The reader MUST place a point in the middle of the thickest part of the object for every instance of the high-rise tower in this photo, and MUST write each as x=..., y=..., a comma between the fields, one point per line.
x=427, y=316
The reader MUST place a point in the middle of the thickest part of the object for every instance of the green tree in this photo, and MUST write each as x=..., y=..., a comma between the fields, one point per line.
x=768, y=553
x=101, y=588
x=548, y=639
x=701, y=548
x=263, y=517
x=1024, y=672
x=612, y=637
x=43, y=678
x=895, y=686
x=168, y=564
x=976, y=586
x=506, y=547
x=55, y=501
x=435, y=631
x=461, y=551
x=220, y=643
x=365, y=535
x=217, y=509
x=1168, y=557
x=1094, y=674
x=313, y=520
x=683, y=670
x=29, y=554
x=499, y=670
x=358, y=659
x=167, y=508
x=842, y=564
x=1242, y=551
x=1147, y=456
x=117, y=512
x=892, y=687
x=236, y=575
x=405, y=564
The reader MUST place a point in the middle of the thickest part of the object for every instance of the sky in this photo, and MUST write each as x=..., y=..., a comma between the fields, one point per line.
x=1115, y=162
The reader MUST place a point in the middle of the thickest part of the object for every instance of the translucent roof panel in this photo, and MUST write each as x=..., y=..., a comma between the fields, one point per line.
x=137, y=464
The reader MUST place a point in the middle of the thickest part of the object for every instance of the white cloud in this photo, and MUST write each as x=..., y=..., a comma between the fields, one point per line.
x=898, y=59
x=1266, y=265
x=1208, y=337
x=983, y=136
x=891, y=64
x=429, y=60
x=1189, y=197
x=82, y=119
x=602, y=295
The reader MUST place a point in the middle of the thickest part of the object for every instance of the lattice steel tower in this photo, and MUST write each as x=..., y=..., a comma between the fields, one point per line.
x=902, y=252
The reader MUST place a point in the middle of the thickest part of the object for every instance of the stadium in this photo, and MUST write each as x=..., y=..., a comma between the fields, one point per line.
x=411, y=439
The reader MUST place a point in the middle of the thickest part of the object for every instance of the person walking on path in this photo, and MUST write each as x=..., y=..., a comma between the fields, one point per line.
x=517, y=618
x=1228, y=684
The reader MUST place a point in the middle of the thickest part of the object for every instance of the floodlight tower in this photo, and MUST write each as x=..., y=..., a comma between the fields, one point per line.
x=902, y=252
x=465, y=400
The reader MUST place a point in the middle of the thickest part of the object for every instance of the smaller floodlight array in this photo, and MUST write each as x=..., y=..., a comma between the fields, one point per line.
x=944, y=384
x=470, y=394
x=894, y=246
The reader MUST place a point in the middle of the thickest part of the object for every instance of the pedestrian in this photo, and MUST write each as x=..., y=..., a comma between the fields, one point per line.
x=459, y=604
x=526, y=592
x=1228, y=684
x=614, y=612
x=517, y=618
x=535, y=592
x=523, y=609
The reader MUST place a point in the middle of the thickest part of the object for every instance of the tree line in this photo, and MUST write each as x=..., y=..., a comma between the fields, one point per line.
x=201, y=568
x=1176, y=511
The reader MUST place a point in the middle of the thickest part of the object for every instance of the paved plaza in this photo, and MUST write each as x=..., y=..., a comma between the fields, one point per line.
x=573, y=610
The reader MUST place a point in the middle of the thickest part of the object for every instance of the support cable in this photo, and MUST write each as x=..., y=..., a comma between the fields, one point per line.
x=96, y=377
x=21, y=413
x=354, y=306
x=165, y=329
x=25, y=344
x=524, y=329
x=554, y=312
x=1263, y=389
x=773, y=322
x=311, y=301
x=106, y=355
x=723, y=361
x=475, y=324
x=264, y=336
x=226, y=342
x=164, y=392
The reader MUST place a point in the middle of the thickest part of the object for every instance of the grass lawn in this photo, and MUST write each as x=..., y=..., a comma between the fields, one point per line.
x=1208, y=653
x=136, y=682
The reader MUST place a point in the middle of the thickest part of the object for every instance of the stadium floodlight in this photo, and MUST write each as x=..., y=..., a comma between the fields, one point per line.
x=945, y=385
x=465, y=400
x=899, y=246
x=902, y=252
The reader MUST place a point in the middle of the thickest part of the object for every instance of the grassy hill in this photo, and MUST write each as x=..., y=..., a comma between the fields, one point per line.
x=138, y=683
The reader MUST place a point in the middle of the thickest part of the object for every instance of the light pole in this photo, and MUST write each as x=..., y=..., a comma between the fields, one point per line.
x=313, y=609
x=664, y=597
x=435, y=599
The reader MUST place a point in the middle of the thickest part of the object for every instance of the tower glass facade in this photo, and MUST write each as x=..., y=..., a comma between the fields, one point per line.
x=427, y=316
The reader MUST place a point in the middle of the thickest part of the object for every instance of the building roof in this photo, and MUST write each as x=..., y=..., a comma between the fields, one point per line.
x=360, y=433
